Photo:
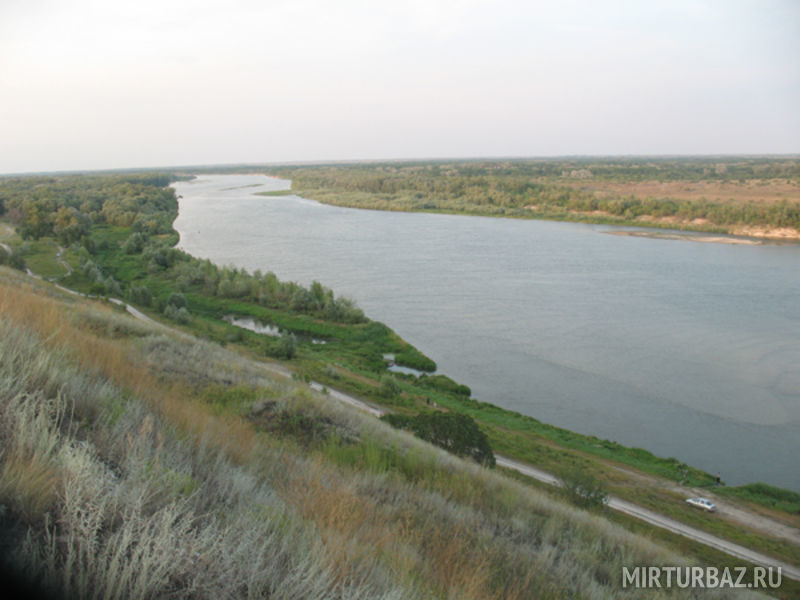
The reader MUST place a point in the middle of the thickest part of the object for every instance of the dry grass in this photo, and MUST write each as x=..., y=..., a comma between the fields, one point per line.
x=754, y=190
x=25, y=305
x=29, y=484
x=131, y=487
x=137, y=508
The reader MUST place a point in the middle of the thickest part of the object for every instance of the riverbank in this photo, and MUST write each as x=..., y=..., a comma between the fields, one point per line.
x=165, y=465
x=662, y=228
x=745, y=525
x=569, y=360
x=757, y=197
x=351, y=361
x=689, y=237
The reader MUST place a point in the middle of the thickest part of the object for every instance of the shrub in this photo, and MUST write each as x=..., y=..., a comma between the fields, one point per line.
x=13, y=260
x=288, y=345
x=179, y=315
x=414, y=359
x=140, y=295
x=17, y=262
x=134, y=244
x=445, y=384
x=91, y=271
x=455, y=432
x=177, y=300
x=331, y=371
x=583, y=489
x=389, y=387
x=111, y=287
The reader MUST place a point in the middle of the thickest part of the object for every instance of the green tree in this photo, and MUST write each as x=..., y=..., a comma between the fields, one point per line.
x=288, y=345
x=134, y=244
x=321, y=294
x=177, y=300
x=455, y=432
x=70, y=225
x=37, y=219
x=179, y=315
x=583, y=489
x=13, y=260
x=140, y=295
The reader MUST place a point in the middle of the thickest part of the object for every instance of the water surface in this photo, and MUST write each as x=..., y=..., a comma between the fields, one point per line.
x=687, y=349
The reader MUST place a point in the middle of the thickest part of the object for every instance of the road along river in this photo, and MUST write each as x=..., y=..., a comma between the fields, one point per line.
x=686, y=349
x=624, y=506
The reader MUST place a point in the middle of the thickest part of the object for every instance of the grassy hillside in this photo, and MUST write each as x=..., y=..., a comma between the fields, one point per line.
x=110, y=234
x=139, y=463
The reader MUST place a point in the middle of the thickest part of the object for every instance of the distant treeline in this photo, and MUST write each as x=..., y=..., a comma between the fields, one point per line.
x=547, y=188
x=618, y=169
x=121, y=228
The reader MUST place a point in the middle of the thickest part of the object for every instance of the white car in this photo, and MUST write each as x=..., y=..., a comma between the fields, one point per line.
x=703, y=503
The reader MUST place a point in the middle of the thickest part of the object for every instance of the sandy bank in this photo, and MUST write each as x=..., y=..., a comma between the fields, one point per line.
x=690, y=237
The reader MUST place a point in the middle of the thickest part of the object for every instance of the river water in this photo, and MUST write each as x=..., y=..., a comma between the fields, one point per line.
x=687, y=349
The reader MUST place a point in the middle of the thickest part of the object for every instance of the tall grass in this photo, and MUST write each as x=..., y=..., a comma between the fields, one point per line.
x=134, y=510
x=119, y=479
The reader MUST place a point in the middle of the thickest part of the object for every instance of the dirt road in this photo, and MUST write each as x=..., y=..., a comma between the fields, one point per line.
x=634, y=510
x=666, y=523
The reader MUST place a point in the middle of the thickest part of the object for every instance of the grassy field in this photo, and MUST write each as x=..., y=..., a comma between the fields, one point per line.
x=40, y=256
x=143, y=464
x=766, y=191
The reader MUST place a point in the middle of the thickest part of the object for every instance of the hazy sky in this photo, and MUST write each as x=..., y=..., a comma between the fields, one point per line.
x=89, y=84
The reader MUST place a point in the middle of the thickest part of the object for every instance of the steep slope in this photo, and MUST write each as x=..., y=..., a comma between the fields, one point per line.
x=139, y=463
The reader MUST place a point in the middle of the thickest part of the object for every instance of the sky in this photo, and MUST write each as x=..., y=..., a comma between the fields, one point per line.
x=97, y=84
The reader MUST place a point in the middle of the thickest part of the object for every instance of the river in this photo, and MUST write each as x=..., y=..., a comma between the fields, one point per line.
x=687, y=349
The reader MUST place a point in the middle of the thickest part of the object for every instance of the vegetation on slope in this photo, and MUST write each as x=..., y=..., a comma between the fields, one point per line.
x=138, y=262
x=138, y=464
x=768, y=495
x=455, y=432
x=120, y=243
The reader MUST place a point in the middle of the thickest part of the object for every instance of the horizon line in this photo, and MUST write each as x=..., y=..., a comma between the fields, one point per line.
x=320, y=162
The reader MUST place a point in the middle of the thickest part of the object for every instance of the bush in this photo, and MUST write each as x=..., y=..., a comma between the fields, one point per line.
x=414, y=359
x=140, y=295
x=134, y=244
x=455, y=432
x=288, y=346
x=179, y=315
x=389, y=387
x=177, y=300
x=768, y=495
x=331, y=371
x=92, y=272
x=13, y=260
x=444, y=384
x=583, y=489
x=111, y=287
